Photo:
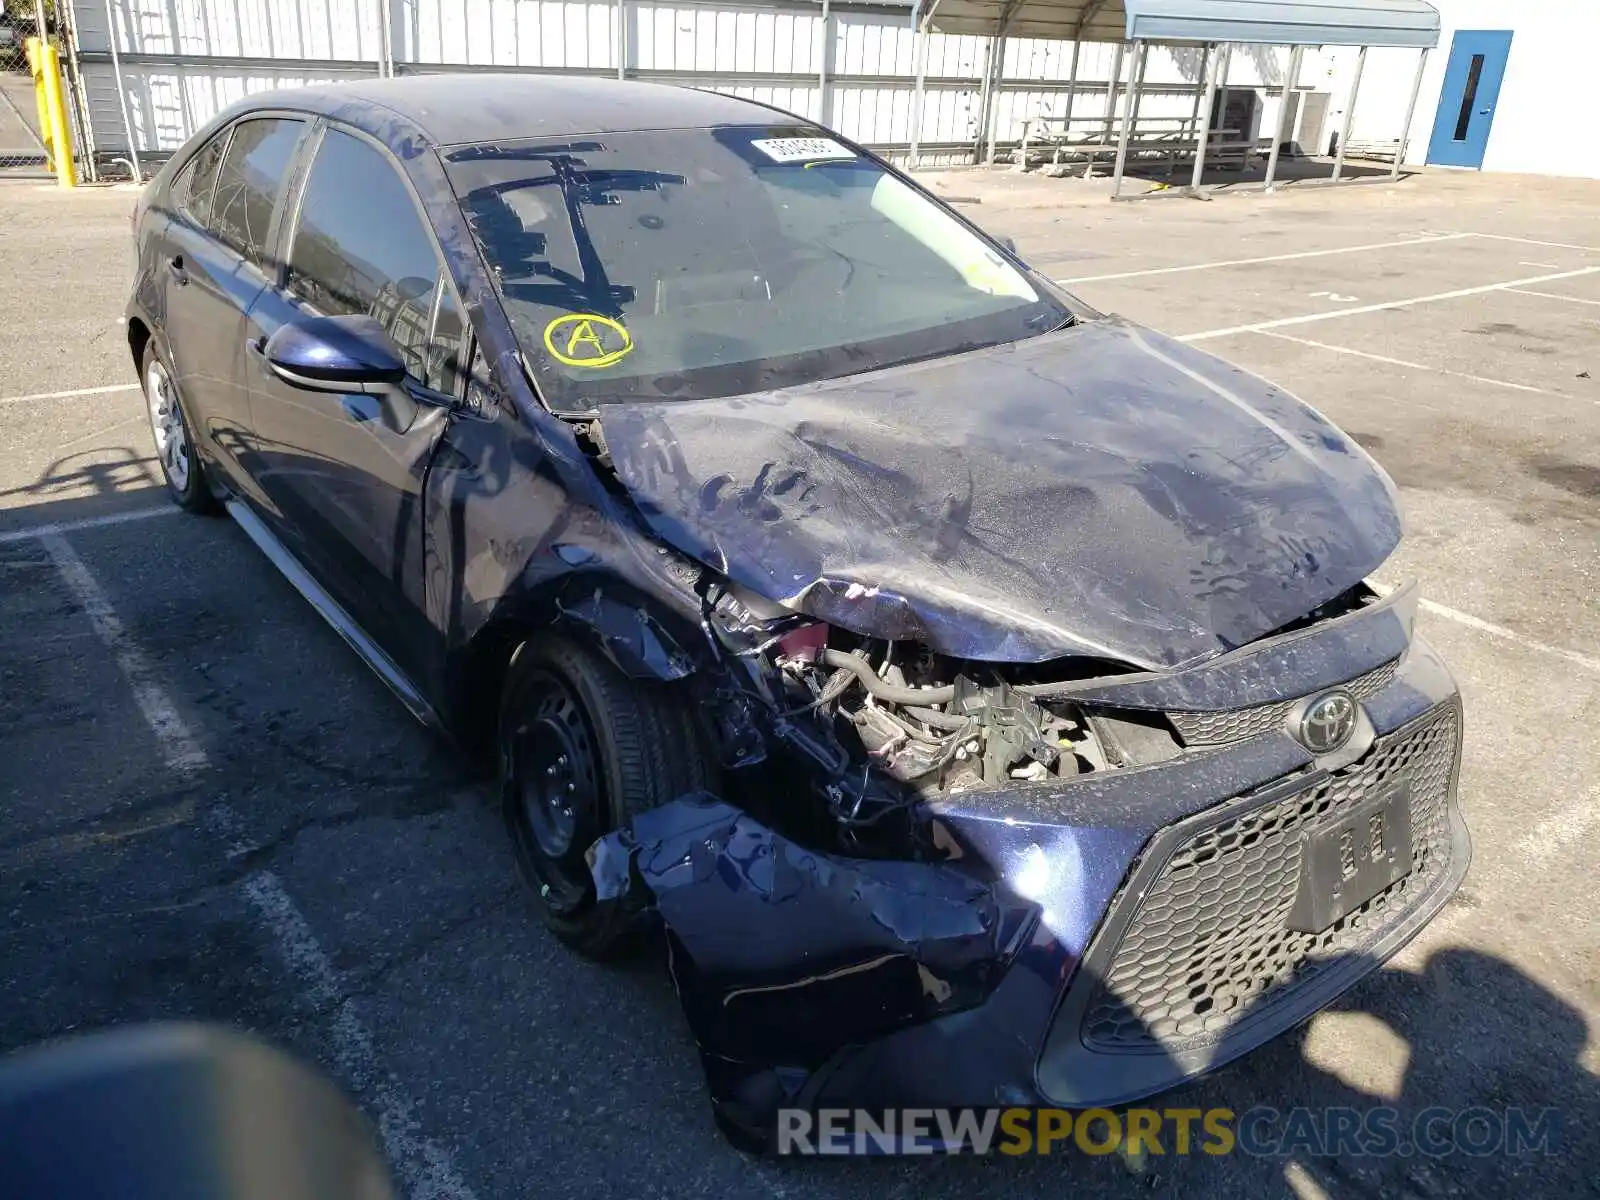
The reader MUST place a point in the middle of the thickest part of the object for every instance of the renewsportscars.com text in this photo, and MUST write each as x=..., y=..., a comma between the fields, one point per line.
x=1260, y=1132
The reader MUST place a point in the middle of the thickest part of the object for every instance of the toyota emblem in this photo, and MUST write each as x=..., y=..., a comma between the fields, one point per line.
x=1328, y=722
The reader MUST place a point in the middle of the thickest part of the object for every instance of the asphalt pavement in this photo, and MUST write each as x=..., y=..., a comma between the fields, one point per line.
x=210, y=809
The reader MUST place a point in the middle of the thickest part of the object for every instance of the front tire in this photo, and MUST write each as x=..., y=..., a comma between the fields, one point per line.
x=583, y=750
x=180, y=459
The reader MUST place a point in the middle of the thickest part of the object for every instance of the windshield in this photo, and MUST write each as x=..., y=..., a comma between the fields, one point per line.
x=691, y=263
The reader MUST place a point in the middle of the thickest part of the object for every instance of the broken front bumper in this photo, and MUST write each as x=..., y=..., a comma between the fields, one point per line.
x=1086, y=943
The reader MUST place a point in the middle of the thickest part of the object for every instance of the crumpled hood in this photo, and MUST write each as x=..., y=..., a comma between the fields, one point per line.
x=1102, y=490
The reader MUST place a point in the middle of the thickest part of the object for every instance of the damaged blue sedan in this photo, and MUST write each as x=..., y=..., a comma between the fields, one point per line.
x=985, y=695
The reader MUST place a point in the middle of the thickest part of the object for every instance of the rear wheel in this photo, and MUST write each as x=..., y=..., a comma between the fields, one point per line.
x=180, y=461
x=583, y=750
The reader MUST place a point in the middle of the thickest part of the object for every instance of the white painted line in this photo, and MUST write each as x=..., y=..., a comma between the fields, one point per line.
x=1500, y=631
x=426, y=1169
x=1552, y=296
x=178, y=747
x=1506, y=237
x=67, y=395
x=1400, y=362
x=1541, y=266
x=1258, y=326
x=29, y=532
x=1266, y=258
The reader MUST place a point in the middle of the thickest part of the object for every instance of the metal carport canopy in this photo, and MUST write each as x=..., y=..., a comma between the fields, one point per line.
x=1266, y=22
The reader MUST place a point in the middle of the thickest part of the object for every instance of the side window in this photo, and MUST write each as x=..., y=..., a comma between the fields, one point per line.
x=191, y=190
x=444, y=350
x=249, y=182
x=362, y=247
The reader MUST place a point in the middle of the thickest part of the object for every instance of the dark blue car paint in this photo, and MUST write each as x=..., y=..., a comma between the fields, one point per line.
x=511, y=525
x=1111, y=495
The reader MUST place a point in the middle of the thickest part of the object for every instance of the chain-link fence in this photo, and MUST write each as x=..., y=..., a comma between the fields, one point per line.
x=28, y=130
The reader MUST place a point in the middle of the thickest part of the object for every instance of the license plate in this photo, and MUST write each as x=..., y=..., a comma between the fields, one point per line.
x=1347, y=861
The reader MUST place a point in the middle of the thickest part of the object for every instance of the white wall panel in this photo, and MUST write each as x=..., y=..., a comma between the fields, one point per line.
x=166, y=104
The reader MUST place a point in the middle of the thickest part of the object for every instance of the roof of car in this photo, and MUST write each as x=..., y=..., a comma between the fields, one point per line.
x=492, y=106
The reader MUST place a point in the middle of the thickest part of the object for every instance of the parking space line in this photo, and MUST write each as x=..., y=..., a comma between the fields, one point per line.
x=1506, y=237
x=69, y=394
x=1266, y=258
x=1400, y=362
x=426, y=1170
x=1552, y=296
x=30, y=532
x=178, y=747
x=1357, y=310
x=1500, y=631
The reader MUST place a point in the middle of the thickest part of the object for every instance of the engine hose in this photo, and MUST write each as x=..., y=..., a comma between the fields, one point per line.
x=883, y=690
x=863, y=671
x=935, y=718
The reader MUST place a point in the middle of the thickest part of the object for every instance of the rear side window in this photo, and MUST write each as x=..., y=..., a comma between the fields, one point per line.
x=191, y=190
x=361, y=247
x=250, y=181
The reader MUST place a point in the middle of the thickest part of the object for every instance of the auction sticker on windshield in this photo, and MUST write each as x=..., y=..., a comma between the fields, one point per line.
x=793, y=149
x=587, y=340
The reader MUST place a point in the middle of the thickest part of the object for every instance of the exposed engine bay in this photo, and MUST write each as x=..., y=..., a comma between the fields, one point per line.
x=890, y=723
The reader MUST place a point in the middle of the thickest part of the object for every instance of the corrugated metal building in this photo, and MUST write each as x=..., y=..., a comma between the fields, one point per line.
x=855, y=66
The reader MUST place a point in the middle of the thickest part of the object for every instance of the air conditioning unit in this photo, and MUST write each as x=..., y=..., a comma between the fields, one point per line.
x=1237, y=110
x=1308, y=116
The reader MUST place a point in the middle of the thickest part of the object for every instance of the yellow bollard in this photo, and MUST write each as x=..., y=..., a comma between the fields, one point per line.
x=60, y=130
x=32, y=48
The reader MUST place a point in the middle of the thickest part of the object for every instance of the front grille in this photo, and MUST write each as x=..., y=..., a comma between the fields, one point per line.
x=1210, y=937
x=1236, y=724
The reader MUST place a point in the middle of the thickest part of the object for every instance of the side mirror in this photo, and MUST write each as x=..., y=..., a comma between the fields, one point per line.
x=1010, y=245
x=335, y=354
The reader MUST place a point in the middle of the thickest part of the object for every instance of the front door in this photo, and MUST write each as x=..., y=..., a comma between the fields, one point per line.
x=1467, y=99
x=212, y=265
x=342, y=475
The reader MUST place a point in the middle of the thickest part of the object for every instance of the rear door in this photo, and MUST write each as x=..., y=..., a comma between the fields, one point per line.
x=215, y=261
x=342, y=480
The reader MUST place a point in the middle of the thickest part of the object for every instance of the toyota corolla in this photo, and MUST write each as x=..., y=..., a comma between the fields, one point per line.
x=985, y=695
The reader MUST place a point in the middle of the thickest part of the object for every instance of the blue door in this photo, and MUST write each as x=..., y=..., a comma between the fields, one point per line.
x=1467, y=99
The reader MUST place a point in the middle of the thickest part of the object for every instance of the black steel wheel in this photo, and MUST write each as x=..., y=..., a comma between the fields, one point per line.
x=584, y=749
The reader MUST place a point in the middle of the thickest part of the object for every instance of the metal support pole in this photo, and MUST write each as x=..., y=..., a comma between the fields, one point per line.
x=385, y=51
x=1141, y=54
x=1111, y=106
x=913, y=157
x=622, y=39
x=1111, y=89
x=1349, y=114
x=56, y=108
x=985, y=95
x=1072, y=89
x=80, y=99
x=1218, y=71
x=824, y=54
x=122, y=95
x=1411, y=109
x=992, y=115
x=1280, y=132
x=1194, y=115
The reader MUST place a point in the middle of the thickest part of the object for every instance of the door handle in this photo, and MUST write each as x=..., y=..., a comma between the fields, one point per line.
x=180, y=275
